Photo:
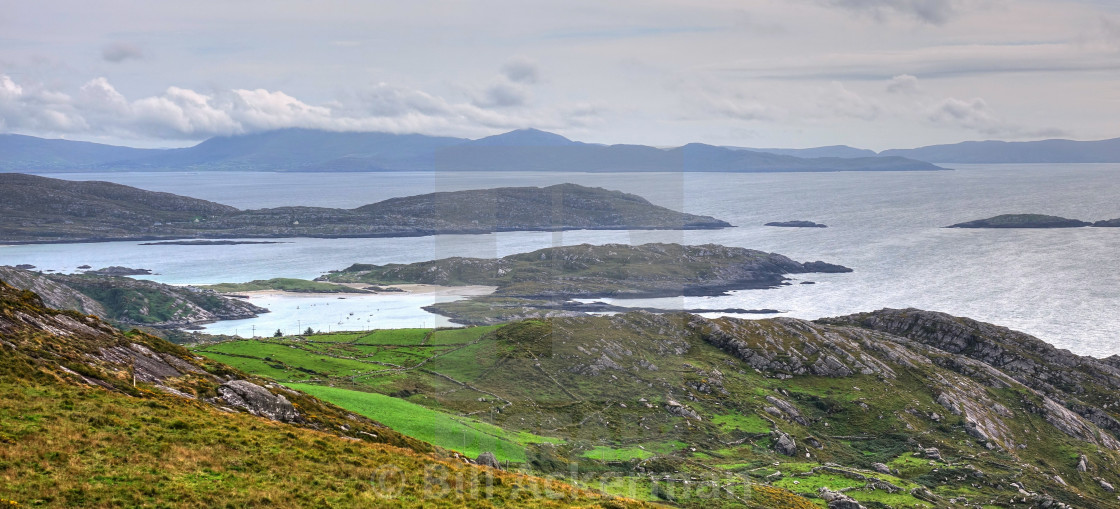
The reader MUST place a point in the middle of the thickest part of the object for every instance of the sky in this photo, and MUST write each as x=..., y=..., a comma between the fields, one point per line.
x=873, y=74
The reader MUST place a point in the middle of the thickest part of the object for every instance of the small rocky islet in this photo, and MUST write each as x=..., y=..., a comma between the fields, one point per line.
x=796, y=224
x=1032, y=221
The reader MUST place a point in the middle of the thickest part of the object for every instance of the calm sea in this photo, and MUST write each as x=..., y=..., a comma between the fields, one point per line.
x=1059, y=284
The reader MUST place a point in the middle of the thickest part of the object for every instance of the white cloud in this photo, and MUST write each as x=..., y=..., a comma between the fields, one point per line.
x=972, y=114
x=903, y=84
x=178, y=113
x=32, y=108
x=837, y=101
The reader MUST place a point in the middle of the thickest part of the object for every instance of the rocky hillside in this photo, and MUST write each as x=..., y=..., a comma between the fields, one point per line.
x=95, y=417
x=130, y=301
x=895, y=408
x=40, y=209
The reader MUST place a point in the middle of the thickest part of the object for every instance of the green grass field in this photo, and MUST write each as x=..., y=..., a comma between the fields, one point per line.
x=468, y=436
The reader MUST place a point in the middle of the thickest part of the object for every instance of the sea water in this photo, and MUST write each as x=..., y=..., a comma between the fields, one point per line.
x=1058, y=284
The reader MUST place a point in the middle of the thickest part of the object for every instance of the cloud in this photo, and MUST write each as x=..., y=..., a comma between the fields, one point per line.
x=972, y=114
x=521, y=70
x=33, y=108
x=933, y=61
x=118, y=52
x=975, y=114
x=903, y=84
x=837, y=101
x=503, y=95
x=98, y=109
x=934, y=12
x=512, y=87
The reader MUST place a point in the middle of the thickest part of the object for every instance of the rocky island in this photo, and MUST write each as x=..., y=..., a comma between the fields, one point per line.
x=1022, y=221
x=42, y=210
x=1108, y=223
x=545, y=279
x=796, y=224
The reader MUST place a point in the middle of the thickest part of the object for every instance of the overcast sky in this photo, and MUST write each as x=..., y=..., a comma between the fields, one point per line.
x=761, y=73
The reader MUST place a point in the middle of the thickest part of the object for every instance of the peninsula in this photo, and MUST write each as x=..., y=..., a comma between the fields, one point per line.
x=45, y=210
x=131, y=302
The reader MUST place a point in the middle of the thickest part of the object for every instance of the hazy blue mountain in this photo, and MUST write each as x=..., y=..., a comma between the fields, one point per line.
x=524, y=138
x=830, y=151
x=298, y=150
x=27, y=153
x=520, y=150
x=623, y=158
x=1045, y=151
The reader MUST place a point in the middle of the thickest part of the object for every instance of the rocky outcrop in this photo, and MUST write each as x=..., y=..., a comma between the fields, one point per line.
x=792, y=347
x=146, y=365
x=258, y=401
x=54, y=294
x=1073, y=387
x=787, y=410
x=487, y=459
x=783, y=443
x=680, y=410
x=837, y=500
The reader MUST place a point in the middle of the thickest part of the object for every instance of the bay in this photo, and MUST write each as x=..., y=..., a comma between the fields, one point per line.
x=1057, y=284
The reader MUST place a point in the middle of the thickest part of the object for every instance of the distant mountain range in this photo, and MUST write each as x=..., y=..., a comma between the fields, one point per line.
x=521, y=150
x=308, y=150
x=1045, y=151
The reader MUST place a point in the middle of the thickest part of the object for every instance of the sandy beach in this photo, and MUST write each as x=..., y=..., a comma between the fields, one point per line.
x=407, y=289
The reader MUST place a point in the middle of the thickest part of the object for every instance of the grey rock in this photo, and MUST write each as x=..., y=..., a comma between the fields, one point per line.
x=837, y=500
x=488, y=459
x=258, y=401
x=788, y=409
x=881, y=468
x=680, y=410
x=1082, y=463
x=783, y=443
x=932, y=453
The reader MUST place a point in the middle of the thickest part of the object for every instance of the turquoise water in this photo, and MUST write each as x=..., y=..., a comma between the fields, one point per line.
x=1059, y=284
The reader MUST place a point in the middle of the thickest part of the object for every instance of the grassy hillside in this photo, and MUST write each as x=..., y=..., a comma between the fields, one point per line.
x=93, y=417
x=897, y=408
